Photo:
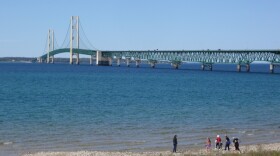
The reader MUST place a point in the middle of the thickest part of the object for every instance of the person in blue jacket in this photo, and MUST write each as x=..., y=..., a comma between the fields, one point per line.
x=227, y=143
x=175, y=143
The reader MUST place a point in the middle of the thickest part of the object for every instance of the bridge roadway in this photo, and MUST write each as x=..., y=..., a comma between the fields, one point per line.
x=242, y=58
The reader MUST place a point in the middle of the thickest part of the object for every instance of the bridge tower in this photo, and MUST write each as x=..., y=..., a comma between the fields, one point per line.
x=50, y=45
x=74, y=38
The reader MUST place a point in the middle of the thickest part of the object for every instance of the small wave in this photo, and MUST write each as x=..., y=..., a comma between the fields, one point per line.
x=7, y=143
x=250, y=134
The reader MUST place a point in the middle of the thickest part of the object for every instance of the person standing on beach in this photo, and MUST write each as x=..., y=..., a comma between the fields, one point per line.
x=227, y=143
x=208, y=144
x=175, y=143
x=236, y=143
x=218, y=142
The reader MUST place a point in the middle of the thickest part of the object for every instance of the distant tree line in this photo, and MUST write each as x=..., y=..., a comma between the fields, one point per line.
x=17, y=59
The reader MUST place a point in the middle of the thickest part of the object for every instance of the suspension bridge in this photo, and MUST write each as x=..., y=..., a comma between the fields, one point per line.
x=77, y=43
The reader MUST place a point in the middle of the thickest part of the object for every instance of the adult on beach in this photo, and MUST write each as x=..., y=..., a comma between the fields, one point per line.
x=227, y=143
x=218, y=142
x=236, y=143
x=175, y=143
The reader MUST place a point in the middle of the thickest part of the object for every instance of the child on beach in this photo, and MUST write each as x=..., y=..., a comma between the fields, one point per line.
x=208, y=144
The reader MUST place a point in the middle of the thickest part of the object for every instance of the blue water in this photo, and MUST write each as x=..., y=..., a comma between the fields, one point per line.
x=61, y=107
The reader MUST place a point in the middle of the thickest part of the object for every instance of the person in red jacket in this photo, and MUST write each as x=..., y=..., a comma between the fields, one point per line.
x=218, y=142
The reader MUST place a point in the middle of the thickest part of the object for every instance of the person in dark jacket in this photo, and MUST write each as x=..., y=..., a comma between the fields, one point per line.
x=236, y=143
x=227, y=143
x=175, y=143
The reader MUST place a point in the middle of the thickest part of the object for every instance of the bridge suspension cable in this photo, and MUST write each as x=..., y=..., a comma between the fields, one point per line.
x=66, y=42
x=56, y=45
x=83, y=45
x=83, y=34
x=45, y=49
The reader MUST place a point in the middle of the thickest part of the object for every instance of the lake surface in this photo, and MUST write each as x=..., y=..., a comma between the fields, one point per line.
x=61, y=107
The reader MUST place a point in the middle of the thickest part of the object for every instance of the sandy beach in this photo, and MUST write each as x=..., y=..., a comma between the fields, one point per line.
x=182, y=152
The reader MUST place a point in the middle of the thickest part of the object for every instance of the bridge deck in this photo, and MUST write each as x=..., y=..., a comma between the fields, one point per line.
x=210, y=56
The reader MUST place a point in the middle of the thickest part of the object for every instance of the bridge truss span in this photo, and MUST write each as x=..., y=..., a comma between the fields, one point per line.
x=204, y=56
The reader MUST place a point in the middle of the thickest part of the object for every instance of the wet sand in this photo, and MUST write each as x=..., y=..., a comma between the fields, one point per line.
x=182, y=152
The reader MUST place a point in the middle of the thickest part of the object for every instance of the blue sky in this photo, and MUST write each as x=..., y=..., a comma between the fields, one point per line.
x=142, y=24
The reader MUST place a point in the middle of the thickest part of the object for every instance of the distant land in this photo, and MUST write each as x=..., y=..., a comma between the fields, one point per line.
x=17, y=59
x=33, y=59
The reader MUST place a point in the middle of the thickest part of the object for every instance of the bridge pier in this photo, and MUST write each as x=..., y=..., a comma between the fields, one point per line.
x=208, y=66
x=176, y=64
x=242, y=65
x=127, y=61
x=39, y=60
x=71, y=59
x=119, y=62
x=77, y=58
x=153, y=63
x=238, y=68
x=137, y=62
x=90, y=59
x=52, y=59
x=110, y=61
x=48, y=58
x=101, y=61
x=247, y=67
x=271, y=68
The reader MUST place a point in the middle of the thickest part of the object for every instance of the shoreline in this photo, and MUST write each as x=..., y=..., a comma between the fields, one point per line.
x=181, y=152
